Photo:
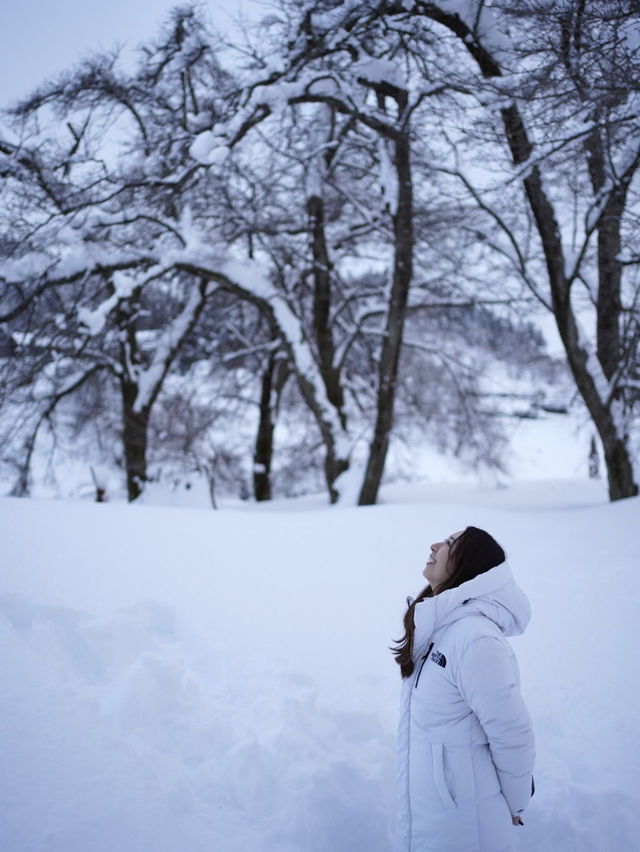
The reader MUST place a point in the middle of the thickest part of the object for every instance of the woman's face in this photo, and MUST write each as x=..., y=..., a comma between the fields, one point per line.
x=436, y=570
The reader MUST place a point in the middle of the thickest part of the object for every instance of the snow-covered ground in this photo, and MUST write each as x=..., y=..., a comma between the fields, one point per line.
x=183, y=679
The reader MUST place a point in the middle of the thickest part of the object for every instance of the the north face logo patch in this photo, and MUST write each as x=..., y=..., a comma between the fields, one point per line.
x=439, y=658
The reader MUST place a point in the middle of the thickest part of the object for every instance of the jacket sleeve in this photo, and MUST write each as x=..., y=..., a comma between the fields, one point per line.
x=489, y=682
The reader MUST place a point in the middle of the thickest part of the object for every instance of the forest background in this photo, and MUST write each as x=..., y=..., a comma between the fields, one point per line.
x=266, y=259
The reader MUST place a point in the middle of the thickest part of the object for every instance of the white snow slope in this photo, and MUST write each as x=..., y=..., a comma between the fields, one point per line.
x=181, y=679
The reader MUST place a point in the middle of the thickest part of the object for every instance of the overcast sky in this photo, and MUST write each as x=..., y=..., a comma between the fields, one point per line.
x=39, y=38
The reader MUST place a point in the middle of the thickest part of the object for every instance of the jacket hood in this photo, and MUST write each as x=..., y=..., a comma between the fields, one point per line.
x=493, y=594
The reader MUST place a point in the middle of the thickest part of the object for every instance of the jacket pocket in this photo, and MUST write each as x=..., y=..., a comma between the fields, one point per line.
x=439, y=779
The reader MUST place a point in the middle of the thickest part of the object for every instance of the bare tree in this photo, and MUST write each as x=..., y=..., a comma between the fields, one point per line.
x=95, y=215
x=307, y=195
x=581, y=101
x=355, y=65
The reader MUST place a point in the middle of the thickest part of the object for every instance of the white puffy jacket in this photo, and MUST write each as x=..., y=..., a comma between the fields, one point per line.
x=465, y=741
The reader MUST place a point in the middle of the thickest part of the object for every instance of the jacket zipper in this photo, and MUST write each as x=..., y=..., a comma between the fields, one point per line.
x=424, y=660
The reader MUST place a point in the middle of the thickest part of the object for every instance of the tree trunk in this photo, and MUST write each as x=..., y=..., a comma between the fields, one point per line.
x=392, y=342
x=609, y=309
x=322, y=306
x=323, y=335
x=135, y=425
x=609, y=305
x=616, y=451
x=263, y=453
x=336, y=460
x=620, y=472
x=140, y=387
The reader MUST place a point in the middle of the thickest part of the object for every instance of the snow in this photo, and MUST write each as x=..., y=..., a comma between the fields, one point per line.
x=595, y=211
x=380, y=71
x=482, y=22
x=324, y=87
x=124, y=284
x=388, y=177
x=150, y=380
x=209, y=149
x=33, y=264
x=180, y=678
x=631, y=34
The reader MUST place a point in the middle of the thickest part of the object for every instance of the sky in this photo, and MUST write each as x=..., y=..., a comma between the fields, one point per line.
x=39, y=38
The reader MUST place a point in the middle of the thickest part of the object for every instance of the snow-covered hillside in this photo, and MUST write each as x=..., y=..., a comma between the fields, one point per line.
x=182, y=679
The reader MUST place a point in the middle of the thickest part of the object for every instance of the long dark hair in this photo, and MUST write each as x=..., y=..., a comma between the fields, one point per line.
x=472, y=553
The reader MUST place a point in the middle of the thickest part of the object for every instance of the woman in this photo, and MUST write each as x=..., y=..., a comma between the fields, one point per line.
x=465, y=745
